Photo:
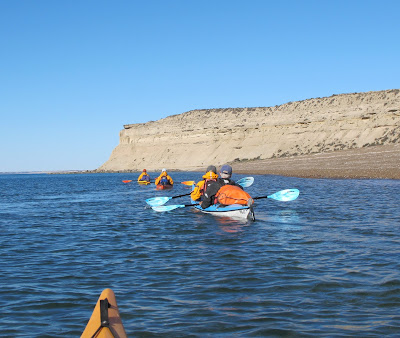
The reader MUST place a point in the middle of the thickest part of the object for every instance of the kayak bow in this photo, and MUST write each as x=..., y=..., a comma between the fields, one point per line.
x=105, y=320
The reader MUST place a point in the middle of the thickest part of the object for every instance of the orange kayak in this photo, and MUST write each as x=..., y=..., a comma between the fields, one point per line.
x=163, y=187
x=105, y=320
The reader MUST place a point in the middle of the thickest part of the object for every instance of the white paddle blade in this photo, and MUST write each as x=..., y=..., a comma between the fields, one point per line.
x=156, y=201
x=246, y=182
x=285, y=195
x=163, y=208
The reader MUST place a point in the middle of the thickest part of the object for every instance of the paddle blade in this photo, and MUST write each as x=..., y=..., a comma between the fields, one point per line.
x=163, y=208
x=127, y=181
x=285, y=195
x=246, y=182
x=188, y=183
x=156, y=201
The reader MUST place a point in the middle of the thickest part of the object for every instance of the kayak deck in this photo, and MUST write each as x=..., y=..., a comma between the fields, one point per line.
x=144, y=182
x=232, y=211
x=105, y=320
x=163, y=187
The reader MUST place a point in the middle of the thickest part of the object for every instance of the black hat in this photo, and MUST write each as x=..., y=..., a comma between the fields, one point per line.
x=212, y=168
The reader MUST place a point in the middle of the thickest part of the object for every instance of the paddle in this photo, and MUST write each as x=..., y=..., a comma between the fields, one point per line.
x=283, y=195
x=188, y=183
x=245, y=182
x=162, y=208
x=156, y=201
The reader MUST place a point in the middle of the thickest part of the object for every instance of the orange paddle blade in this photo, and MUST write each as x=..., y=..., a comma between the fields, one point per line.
x=188, y=182
x=127, y=181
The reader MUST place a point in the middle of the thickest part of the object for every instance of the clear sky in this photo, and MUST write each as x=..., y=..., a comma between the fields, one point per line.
x=72, y=73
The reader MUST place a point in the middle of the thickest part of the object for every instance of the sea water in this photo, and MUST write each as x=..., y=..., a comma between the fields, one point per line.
x=326, y=264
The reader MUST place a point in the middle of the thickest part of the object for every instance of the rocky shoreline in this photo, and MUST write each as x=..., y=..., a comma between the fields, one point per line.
x=378, y=162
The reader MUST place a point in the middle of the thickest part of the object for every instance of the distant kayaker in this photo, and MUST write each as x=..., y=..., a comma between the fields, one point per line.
x=212, y=190
x=144, y=176
x=209, y=177
x=164, y=178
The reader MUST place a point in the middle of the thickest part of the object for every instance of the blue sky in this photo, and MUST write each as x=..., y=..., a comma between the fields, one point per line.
x=74, y=72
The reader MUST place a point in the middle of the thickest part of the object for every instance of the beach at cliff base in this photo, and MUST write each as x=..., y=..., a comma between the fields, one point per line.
x=381, y=162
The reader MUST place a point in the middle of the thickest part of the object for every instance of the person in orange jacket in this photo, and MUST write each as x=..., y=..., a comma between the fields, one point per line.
x=144, y=176
x=225, y=179
x=164, y=178
x=209, y=177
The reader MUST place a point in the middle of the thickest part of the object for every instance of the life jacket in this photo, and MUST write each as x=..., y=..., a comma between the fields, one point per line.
x=164, y=180
x=209, y=178
x=164, y=176
x=145, y=178
x=231, y=194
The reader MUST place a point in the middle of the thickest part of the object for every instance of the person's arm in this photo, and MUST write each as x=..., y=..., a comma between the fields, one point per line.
x=209, y=195
x=232, y=182
x=140, y=177
x=196, y=193
x=157, y=180
x=171, y=181
x=238, y=185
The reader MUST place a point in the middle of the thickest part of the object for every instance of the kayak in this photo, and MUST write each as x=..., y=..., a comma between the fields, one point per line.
x=163, y=187
x=105, y=320
x=143, y=182
x=233, y=211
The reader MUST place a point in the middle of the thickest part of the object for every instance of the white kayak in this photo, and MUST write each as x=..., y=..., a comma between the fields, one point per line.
x=233, y=211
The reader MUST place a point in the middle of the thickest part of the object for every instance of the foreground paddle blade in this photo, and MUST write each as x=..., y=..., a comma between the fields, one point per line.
x=163, y=208
x=105, y=320
x=156, y=201
x=285, y=195
x=246, y=182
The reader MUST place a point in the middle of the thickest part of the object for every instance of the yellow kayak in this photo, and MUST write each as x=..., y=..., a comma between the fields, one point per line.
x=144, y=182
x=105, y=320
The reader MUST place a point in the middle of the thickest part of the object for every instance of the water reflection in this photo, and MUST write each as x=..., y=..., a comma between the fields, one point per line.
x=227, y=224
x=286, y=216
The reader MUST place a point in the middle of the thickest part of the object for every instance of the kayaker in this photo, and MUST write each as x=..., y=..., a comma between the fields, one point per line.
x=212, y=190
x=164, y=178
x=144, y=176
x=209, y=177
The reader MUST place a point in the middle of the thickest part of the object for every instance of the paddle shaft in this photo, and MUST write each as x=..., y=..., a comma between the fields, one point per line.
x=181, y=195
x=257, y=198
x=163, y=208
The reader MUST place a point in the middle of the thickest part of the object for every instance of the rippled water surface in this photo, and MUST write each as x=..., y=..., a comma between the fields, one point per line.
x=327, y=264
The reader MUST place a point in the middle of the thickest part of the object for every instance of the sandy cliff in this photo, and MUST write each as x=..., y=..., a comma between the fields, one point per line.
x=197, y=138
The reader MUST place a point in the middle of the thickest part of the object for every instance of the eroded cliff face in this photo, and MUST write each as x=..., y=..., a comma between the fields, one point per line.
x=197, y=138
